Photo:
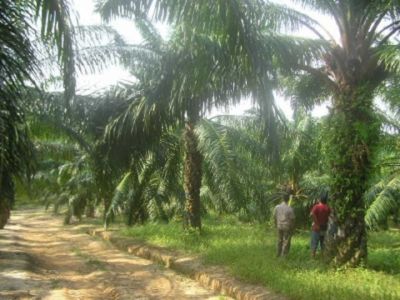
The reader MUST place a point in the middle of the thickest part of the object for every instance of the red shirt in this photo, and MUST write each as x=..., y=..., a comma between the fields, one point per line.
x=320, y=213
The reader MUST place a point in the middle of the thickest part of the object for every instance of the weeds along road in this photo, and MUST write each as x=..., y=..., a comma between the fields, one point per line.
x=42, y=259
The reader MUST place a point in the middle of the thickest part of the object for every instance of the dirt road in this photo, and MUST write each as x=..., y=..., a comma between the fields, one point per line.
x=42, y=259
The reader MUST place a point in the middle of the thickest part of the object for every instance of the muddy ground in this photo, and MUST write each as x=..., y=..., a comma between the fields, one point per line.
x=42, y=259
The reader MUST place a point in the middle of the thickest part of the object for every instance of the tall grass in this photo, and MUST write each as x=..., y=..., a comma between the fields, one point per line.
x=248, y=252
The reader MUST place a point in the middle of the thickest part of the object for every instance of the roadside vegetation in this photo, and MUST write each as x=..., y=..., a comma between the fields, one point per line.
x=147, y=151
x=248, y=251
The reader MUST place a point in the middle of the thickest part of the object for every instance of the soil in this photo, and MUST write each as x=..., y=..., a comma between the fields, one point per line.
x=42, y=259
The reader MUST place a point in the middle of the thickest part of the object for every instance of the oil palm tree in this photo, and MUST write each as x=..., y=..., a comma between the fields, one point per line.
x=211, y=60
x=349, y=73
x=19, y=66
x=84, y=174
x=151, y=185
x=233, y=169
x=28, y=52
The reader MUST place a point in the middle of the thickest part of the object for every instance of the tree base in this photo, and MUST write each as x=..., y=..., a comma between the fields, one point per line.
x=4, y=214
x=349, y=248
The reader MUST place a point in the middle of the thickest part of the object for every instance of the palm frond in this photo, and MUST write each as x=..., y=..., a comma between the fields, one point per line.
x=390, y=57
x=120, y=195
x=220, y=159
x=16, y=148
x=381, y=200
x=306, y=91
x=17, y=62
x=152, y=38
x=56, y=25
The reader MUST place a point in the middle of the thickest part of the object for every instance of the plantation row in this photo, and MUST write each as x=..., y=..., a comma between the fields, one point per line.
x=147, y=151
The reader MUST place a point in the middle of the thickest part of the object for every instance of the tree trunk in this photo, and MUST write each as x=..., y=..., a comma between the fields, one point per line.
x=6, y=198
x=4, y=212
x=192, y=176
x=353, y=134
x=106, y=205
x=90, y=210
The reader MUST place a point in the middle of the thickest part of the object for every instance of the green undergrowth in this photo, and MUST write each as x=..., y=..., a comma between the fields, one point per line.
x=248, y=251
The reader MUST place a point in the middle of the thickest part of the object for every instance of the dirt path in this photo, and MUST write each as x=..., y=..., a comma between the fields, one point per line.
x=42, y=259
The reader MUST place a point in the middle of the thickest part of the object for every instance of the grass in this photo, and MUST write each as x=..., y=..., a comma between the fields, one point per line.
x=248, y=251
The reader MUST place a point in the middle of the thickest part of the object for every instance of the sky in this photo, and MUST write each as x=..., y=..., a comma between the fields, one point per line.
x=84, y=10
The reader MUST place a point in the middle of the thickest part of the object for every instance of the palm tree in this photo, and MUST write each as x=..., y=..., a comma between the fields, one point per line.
x=184, y=104
x=152, y=184
x=234, y=171
x=211, y=60
x=22, y=68
x=82, y=175
x=350, y=71
x=19, y=66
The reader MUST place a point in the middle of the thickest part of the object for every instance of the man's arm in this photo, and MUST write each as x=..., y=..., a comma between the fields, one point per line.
x=313, y=215
x=292, y=217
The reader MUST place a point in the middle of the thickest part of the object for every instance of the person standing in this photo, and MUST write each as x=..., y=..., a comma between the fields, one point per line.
x=284, y=221
x=320, y=215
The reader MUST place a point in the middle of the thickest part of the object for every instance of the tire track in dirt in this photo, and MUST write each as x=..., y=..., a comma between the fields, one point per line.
x=42, y=259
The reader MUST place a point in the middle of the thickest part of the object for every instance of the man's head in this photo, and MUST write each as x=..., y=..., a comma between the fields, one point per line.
x=286, y=197
x=323, y=198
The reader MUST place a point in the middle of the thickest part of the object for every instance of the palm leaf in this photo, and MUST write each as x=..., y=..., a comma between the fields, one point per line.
x=56, y=25
x=382, y=199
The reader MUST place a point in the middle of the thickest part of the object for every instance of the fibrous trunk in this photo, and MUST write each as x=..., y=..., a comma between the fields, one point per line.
x=354, y=133
x=6, y=198
x=192, y=176
x=4, y=212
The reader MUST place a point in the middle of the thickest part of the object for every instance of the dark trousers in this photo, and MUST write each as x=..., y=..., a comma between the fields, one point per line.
x=284, y=237
x=317, y=238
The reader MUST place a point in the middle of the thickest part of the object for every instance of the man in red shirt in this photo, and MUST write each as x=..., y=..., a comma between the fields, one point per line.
x=320, y=216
